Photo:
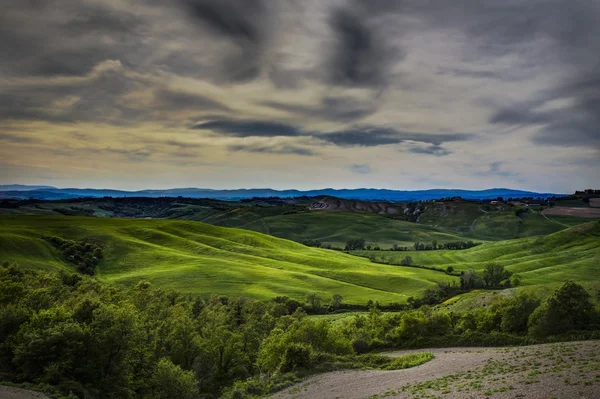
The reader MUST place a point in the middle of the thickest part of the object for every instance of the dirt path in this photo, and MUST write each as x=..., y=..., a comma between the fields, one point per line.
x=18, y=393
x=564, y=370
x=573, y=211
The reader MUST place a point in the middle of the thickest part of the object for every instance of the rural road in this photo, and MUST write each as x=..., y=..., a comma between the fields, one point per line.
x=565, y=370
x=18, y=393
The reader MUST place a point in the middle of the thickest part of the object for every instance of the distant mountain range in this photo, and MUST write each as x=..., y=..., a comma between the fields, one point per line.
x=370, y=194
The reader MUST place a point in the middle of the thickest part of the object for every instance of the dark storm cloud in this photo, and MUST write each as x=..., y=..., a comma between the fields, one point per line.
x=177, y=100
x=542, y=33
x=435, y=150
x=248, y=128
x=63, y=37
x=376, y=136
x=359, y=57
x=343, y=109
x=243, y=23
x=272, y=149
x=577, y=123
x=360, y=136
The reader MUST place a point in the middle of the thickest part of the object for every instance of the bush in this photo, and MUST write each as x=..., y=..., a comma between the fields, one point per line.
x=170, y=381
x=569, y=308
x=296, y=356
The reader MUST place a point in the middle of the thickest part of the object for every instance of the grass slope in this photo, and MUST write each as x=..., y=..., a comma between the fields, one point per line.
x=337, y=227
x=203, y=259
x=573, y=253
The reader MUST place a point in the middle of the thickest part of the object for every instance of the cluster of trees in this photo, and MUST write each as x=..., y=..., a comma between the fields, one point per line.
x=75, y=336
x=355, y=244
x=85, y=255
x=312, y=243
x=493, y=276
x=358, y=244
x=454, y=245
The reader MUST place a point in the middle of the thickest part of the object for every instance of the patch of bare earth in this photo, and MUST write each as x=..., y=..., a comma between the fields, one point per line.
x=562, y=370
x=18, y=393
x=573, y=211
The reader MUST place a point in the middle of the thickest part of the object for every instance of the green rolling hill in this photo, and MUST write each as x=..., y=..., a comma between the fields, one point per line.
x=570, y=254
x=203, y=259
x=341, y=220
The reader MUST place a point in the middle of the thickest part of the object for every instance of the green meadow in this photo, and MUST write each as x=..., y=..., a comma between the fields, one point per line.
x=570, y=254
x=198, y=258
x=337, y=227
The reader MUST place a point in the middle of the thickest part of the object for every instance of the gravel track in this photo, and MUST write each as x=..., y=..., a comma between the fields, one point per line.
x=18, y=393
x=564, y=370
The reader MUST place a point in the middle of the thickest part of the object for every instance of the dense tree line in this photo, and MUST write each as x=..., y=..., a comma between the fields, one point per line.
x=74, y=336
x=85, y=255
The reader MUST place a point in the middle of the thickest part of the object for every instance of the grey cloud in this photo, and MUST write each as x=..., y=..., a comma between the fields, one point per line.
x=177, y=100
x=333, y=108
x=248, y=128
x=13, y=138
x=64, y=37
x=495, y=169
x=436, y=150
x=273, y=149
x=361, y=169
x=359, y=136
x=375, y=136
x=359, y=57
x=365, y=137
x=244, y=24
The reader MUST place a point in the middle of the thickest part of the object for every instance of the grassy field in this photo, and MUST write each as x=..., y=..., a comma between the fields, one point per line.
x=573, y=253
x=493, y=222
x=203, y=259
x=336, y=228
x=291, y=219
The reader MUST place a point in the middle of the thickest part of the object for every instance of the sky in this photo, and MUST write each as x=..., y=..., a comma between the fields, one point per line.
x=305, y=94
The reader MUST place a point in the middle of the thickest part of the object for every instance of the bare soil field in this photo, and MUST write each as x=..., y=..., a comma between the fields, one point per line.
x=573, y=211
x=563, y=370
x=18, y=393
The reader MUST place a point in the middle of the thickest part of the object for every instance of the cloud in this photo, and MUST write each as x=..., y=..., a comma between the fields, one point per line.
x=178, y=100
x=241, y=22
x=359, y=57
x=361, y=169
x=369, y=136
x=330, y=108
x=13, y=138
x=249, y=128
x=286, y=149
x=495, y=169
x=436, y=150
x=360, y=136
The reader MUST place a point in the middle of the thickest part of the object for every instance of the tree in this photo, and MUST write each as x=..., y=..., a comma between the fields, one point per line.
x=314, y=300
x=469, y=280
x=170, y=381
x=407, y=261
x=495, y=273
x=355, y=244
x=569, y=308
x=449, y=270
x=336, y=300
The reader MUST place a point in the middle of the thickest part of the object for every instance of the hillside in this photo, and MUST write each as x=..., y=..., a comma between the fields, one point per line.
x=336, y=228
x=331, y=220
x=489, y=221
x=203, y=259
x=571, y=254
